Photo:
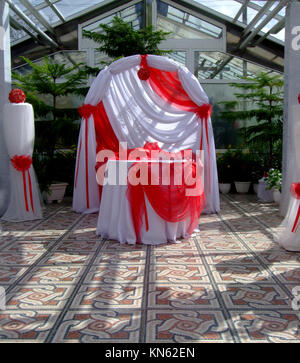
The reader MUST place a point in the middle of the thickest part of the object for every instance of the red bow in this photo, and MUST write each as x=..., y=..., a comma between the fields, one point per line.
x=86, y=110
x=23, y=163
x=204, y=111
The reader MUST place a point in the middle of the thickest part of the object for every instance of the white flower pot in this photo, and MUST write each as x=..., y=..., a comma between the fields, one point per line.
x=276, y=196
x=242, y=187
x=255, y=187
x=56, y=192
x=224, y=187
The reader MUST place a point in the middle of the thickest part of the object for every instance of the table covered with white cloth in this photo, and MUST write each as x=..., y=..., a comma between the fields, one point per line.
x=115, y=219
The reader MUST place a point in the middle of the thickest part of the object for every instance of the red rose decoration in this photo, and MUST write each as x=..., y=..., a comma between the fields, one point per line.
x=17, y=96
x=21, y=162
x=143, y=73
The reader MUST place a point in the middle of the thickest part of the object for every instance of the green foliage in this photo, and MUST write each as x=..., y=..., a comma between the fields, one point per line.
x=56, y=127
x=225, y=162
x=259, y=100
x=274, y=179
x=121, y=40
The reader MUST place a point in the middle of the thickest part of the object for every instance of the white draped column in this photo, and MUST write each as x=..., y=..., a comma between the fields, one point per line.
x=5, y=82
x=291, y=172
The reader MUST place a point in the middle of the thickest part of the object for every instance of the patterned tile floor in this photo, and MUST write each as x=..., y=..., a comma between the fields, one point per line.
x=229, y=283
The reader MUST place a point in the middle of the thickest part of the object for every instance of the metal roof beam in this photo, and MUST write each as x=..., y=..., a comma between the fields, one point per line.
x=31, y=24
x=245, y=43
x=258, y=7
x=274, y=30
x=257, y=17
x=37, y=15
x=56, y=11
x=242, y=8
x=15, y=24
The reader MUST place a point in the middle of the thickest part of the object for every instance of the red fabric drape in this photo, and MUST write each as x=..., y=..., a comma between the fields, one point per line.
x=168, y=86
x=105, y=137
x=171, y=201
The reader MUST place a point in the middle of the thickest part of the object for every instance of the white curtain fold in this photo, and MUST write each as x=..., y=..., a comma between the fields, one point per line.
x=137, y=114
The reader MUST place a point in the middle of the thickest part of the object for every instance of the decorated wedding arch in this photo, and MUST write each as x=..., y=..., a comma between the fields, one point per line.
x=139, y=99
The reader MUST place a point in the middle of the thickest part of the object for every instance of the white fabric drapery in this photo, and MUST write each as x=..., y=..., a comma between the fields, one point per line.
x=288, y=239
x=18, y=124
x=137, y=114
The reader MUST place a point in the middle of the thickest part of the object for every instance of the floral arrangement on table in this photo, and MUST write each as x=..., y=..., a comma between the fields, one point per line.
x=274, y=179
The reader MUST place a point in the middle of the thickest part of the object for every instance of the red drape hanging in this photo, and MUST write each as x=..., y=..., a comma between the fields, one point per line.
x=171, y=201
x=168, y=86
x=105, y=137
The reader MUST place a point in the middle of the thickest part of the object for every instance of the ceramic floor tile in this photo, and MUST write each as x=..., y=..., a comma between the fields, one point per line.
x=97, y=296
x=102, y=326
x=175, y=257
x=73, y=257
x=184, y=326
x=267, y=326
x=227, y=258
x=135, y=257
x=182, y=296
x=254, y=296
x=111, y=273
x=38, y=297
x=289, y=274
x=67, y=274
x=9, y=274
x=69, y=245
x=226, y=273
x=178, y=274
x=26, y=326
x=19, y=258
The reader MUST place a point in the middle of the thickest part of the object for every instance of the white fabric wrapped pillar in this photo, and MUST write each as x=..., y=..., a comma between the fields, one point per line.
x=5, y=81
x=18, y=126
x=289, y=239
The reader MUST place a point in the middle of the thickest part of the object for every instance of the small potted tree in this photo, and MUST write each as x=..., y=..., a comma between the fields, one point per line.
x=273, y=181
x=225, y=170
x=242, y=171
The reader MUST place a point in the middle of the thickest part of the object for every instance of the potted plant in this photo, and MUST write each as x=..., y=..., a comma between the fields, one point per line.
x=242, y=170
x=47, y=88
x=225, y=173
x=273, y=181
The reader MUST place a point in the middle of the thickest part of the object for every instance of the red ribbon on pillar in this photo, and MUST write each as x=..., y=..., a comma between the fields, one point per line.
x=204, y=112
x=23, y=163
x=295, y=192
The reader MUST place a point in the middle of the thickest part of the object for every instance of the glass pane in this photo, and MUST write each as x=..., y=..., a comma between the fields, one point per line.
x=225, y=132
x=50, y=16
x=72, y=7
x=132, y=14
x=179, y=57
x=225, y=7
x=183, y=25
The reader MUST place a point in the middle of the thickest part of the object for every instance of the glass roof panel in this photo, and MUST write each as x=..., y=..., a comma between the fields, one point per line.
x=184, y=25
x=71, y=7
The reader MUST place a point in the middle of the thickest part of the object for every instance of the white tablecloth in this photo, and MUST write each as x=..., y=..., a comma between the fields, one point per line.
x=115, y=220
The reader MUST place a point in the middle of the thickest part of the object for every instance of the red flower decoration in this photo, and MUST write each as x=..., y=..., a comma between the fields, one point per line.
x=299, y=97
x=17, y=96
x=85, y=111
x=143, y=73
x=21, y=162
